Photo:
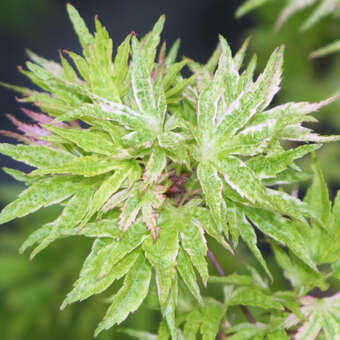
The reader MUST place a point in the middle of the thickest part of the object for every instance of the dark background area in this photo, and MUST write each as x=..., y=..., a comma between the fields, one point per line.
x=43, y=27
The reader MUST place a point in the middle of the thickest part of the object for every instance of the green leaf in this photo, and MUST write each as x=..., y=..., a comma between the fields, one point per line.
x=242, y=179
x=152, y=201
x=169, y=309
x=204, y=221
x=232, y=279
x=317, y=195
x=173, y=52
x=289, y=205
x=22, y=90
x=36, y=237
x=188, y=275
x=155, y=165
x=129, y=297
x=100, y=229
x=17, y=175
x=85, y=37
x=88, y=283
x=192, y=324
x=249, y=296
x=49, y=65
x=142, y=85
x=331, y=48
x=71, y=216
x=209, y=98
x=172, y=143
x=121, y=66
x=195, y=244
x=91, y=141
x=254, y=98
x=81, y=64
x=68, y=72
x=162, y=255
x=212, y=187
x=36, y=155
x=271, y=165
x=325, y=8
x=178, y=88
x=116, y=251
x=290, y=9
x=130, y=209
x=302, y=134
x=281, y=230
x=300, y=275
x=40, y=194
x=152, y=41
x=172, y=73
x=249, y=237
x=99, y=58
x=241, y=53
x=212, y=315
x=107, y=189
x=87, y=166
x=249, y=6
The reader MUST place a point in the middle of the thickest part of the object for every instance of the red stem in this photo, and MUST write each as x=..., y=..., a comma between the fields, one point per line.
x=220, y=270
x=216, y=263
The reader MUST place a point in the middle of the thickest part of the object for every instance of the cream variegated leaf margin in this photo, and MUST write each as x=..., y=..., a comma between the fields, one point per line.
x=235, y=133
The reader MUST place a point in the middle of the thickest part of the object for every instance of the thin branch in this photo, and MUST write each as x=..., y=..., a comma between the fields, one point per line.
x=247, y=313
x=216, y=263
x=220, y=270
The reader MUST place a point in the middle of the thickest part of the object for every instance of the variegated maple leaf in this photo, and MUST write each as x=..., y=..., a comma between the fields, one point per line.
x=148, y=163
x=321, y=316
x=238, y=148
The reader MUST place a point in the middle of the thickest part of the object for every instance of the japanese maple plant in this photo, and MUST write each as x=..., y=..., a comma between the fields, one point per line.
x=155, y=167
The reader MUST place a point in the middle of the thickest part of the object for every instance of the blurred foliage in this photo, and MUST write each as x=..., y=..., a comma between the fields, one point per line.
x=43, y=284
x=16, y=15
x=304, y=78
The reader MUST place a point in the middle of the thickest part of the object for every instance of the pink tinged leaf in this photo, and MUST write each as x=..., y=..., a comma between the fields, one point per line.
x=150, y=219
x=334, y=297
x=37, y=117
x=16, y=136
x=39, y=142
x=130, y=210
x=116, y=200
x=42, y=118
x=308, y=300
x=30, y=130
x=310, y=329
x=317, y=106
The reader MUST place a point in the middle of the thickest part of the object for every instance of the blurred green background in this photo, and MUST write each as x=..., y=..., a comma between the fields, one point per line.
x=31, y=292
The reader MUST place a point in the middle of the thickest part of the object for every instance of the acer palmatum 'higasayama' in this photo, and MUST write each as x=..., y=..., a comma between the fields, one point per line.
x=151, y=165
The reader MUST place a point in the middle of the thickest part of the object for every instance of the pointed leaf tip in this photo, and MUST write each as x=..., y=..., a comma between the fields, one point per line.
x=79, y=25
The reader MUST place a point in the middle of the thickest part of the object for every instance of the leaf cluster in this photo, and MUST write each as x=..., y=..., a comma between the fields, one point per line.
x=152, y=166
